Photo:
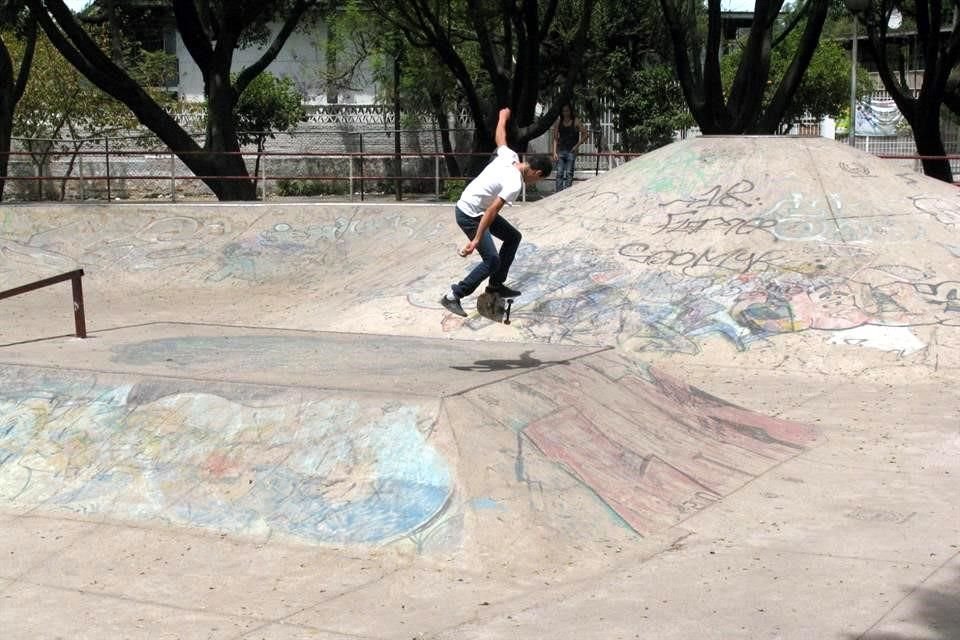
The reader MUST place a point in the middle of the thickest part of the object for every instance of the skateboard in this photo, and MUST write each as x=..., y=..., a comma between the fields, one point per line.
x=495, y=307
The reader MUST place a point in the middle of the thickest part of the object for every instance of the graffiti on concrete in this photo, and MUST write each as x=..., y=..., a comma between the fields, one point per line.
x=740, y=258
x=244, y=460
x=656, y=450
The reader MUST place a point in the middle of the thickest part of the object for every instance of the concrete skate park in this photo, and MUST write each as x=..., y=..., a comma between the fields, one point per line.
x=727, y=407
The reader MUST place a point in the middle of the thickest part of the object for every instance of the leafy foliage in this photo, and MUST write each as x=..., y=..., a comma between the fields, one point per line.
x=648, y=103
x=739, y=108
x=497, y=53
x=268, y=105
x=824, y=89
x=58, y=103
x=212, y=31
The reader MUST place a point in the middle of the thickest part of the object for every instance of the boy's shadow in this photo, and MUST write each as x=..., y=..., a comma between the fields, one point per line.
x=524, y=362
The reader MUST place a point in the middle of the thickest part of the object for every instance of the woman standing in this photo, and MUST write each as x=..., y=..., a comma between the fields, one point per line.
x=568, y=134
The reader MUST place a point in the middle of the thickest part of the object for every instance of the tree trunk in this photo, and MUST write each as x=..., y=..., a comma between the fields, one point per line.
x=6, y=130
x=12, y=85
x=221, y=143
x=923, y=111
x=740, y=108
x=443, y=125
x=929, y=141
x=482, y=146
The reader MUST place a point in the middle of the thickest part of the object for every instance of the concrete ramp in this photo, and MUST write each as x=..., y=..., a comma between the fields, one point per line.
x=339, y=438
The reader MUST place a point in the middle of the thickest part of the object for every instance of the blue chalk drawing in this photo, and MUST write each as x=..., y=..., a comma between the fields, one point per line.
x=326, y=470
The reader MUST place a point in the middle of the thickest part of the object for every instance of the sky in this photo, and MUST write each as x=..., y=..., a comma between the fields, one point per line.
x=76, y=5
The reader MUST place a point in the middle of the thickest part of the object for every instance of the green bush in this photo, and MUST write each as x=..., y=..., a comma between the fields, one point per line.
x=452, y=189
x=288, y=187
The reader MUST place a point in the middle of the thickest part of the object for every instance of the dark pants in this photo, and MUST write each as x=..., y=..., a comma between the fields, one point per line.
x=496, y=264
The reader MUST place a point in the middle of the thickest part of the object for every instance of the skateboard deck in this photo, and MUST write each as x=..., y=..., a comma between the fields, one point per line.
x=495, y=307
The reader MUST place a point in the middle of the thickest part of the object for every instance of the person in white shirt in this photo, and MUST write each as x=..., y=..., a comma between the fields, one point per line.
x=478, y=215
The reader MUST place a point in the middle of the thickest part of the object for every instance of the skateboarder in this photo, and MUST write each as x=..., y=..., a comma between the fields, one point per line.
x=478, y=214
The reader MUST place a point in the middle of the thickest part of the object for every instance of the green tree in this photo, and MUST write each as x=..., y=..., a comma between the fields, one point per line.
x=212, y=30
x=628, y=42
x=267, y=106
x=495, y=51
x=57, y=98
x=648, y=107
x=740, y=109
x=13, y=75
x=824, y=89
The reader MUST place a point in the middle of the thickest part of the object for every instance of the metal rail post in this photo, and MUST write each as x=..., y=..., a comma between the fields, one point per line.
x=74, y=277
x=79, y=320
x=173, y=176
x=83, y=195
x=106, y=144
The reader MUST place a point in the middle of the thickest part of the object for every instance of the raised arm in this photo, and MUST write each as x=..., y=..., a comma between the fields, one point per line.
x=500, y=137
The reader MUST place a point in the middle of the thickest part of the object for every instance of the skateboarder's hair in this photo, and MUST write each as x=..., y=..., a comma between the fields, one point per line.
x=541, y=164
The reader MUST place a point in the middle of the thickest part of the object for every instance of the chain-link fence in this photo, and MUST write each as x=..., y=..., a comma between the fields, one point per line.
x=352, y=162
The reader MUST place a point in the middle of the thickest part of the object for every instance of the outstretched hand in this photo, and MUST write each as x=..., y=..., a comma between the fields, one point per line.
x=468, y=248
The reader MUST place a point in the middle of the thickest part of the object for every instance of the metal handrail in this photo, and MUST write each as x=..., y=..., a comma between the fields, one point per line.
x=74, y=277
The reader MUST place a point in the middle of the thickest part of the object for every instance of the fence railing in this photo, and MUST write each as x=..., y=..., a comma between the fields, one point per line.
x=156, y=173
x=74, y=277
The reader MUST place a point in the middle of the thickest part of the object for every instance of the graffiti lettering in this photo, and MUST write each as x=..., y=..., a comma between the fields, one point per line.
x=682, y=223
x=717, y=197
x=941, y=293
x=736, y=260
x=856, y=169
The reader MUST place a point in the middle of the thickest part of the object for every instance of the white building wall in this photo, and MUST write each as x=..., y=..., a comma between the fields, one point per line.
x=302, y=59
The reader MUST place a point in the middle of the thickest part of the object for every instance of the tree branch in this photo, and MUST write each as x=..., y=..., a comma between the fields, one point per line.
x=293, y=19
x=498, y=78
x=793, y=77
x=877, y=41
x=794, y=21
x=26, y=61
x=578, y=48
x=692, y=91
x=195, y=35
x=749, y=84
x=712, y=81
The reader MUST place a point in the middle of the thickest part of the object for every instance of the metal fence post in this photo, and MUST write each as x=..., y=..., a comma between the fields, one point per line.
x=362, y=189
x=350, y=179
x=106, y=146
x=173, y=176
x=78, y=318
x=436, y=174
x=80, y=170
x=263, y=177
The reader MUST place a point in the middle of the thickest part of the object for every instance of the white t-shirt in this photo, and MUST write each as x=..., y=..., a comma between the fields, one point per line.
x=498, y=179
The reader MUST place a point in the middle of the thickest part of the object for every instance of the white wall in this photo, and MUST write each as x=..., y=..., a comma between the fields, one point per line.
x=302, y=59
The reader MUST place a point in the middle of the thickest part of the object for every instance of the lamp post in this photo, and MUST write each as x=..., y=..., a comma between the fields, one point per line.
x=855, y=7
